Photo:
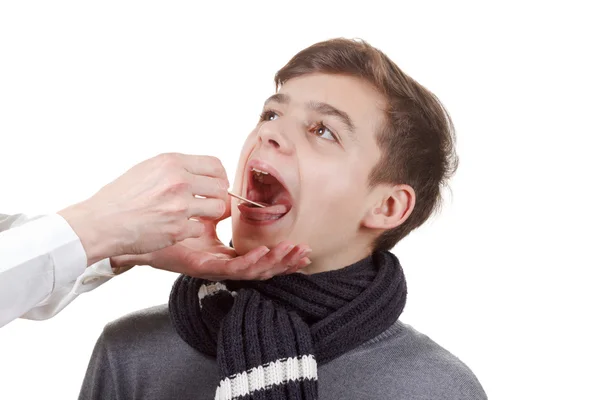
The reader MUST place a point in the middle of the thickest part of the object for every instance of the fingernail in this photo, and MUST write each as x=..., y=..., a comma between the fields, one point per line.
x=305, y=253
x=304, y=262
x=264, y=252
x=223, y=184
x=289, y=248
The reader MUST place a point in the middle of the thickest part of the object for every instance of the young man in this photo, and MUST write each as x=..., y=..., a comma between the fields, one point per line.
x=349, y=156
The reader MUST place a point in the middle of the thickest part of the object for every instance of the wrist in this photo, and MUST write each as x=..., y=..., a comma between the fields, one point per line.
x=92, y=231
x=127, y=261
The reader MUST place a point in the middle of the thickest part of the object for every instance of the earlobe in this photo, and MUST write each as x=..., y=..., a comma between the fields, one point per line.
x=393, y=208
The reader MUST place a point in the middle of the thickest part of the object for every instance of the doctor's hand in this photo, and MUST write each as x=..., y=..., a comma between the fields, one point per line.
x=207, y=257
x=149, y=207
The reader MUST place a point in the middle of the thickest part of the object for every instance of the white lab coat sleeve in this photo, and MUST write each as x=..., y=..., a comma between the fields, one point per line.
x=43, y=267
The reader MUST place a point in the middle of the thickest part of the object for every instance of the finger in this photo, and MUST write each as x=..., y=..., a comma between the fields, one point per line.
x=296, y=255
x=286, y=263
x=207, y=208
x=227, y=212
x=244, y=262
x=277, y=254
x=207, y=186
x=303, y=263
x=272, y=264
x=204, y=165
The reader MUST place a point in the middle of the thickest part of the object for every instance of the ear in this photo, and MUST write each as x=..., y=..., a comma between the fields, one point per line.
x=392, y=207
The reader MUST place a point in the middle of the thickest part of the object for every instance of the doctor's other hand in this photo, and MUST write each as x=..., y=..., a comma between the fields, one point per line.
x=149, y=207
x=208, y=258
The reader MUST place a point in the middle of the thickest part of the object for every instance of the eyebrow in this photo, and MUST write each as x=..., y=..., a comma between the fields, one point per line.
x=319, y=107
x=328, y=109
x=280, y=98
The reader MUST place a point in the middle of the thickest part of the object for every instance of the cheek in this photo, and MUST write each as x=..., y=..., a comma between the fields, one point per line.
x=333, y=196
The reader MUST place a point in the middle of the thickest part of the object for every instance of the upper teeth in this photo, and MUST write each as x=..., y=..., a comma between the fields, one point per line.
x=258, y=171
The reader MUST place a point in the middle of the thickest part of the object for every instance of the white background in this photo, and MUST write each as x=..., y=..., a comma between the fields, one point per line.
x=505, y=278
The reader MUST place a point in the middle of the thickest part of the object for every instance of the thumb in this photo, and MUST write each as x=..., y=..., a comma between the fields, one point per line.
x=199, y=228
x=227, y=212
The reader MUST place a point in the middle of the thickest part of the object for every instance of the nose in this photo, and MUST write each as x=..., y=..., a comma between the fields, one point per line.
x=272, y=135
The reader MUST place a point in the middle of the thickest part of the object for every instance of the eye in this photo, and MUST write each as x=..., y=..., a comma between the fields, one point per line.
x=268, y=115
x=323, y=132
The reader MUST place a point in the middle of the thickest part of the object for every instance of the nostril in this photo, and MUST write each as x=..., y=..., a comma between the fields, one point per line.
x=274, y=143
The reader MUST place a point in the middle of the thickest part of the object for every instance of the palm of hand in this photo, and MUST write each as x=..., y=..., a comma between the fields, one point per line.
x=193, y=256
x=207, y=257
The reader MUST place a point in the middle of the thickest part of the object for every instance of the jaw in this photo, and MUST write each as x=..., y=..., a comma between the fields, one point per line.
x=248, y=234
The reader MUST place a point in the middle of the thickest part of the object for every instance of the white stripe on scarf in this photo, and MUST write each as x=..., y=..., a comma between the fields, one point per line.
x=262, y=377
x=209, y=290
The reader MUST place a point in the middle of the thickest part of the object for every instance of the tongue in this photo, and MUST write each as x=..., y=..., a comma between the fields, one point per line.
x=263, y=214
x=279, y=203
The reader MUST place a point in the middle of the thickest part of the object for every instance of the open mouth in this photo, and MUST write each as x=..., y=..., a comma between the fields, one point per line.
x=265, y=188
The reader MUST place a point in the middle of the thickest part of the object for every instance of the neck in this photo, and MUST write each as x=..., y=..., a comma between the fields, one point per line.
x=338, y=259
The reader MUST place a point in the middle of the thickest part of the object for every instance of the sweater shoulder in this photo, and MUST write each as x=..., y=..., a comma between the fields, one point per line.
x=403, y=361
x=141, y=328
x=455, y=379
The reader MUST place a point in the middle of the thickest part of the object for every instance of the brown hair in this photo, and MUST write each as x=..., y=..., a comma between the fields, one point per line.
x=417, y=141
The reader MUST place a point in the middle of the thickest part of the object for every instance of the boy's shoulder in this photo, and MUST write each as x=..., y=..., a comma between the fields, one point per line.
x=145, y=323
x=141, y=330
x=404, y=362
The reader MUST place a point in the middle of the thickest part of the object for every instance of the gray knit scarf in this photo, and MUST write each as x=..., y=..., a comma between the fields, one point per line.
x=269, y=336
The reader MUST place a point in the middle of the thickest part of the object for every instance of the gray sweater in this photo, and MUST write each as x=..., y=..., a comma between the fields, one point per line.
x=140, y=356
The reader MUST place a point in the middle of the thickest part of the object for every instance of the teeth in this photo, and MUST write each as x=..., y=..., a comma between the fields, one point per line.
x=259, y=175
x=258, y=171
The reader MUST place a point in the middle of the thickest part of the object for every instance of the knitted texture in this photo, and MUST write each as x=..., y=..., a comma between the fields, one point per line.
x=269, y=336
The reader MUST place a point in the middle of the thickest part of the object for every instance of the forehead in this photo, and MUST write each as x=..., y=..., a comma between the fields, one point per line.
x=356, y=97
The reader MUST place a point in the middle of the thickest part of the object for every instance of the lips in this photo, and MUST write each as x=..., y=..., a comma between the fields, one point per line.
x=264, y=185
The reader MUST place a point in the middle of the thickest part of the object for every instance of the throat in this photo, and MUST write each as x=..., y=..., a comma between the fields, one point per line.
x=342, y=258
x=268, y=194
x=274, y=197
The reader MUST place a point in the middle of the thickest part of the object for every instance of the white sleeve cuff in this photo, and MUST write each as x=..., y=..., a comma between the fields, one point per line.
x=93, y=276
x=69, y=256
x=97, y=274
x=55, y=238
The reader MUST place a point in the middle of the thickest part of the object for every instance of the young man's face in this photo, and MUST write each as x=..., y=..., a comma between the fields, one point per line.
x=317, y=142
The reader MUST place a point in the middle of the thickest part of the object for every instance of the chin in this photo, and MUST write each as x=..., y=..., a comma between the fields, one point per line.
x=249, y=234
